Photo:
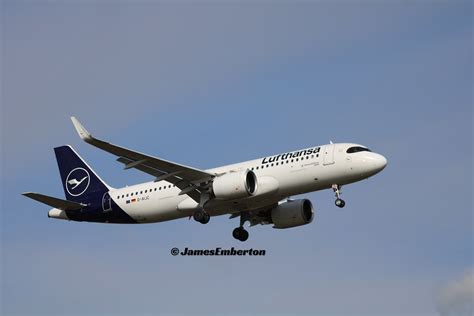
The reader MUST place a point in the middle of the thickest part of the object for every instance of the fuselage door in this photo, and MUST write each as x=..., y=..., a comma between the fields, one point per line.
x=106, y=203
x=328, y=154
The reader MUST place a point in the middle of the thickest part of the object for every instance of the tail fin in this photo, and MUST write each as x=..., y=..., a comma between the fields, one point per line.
x=80, y=182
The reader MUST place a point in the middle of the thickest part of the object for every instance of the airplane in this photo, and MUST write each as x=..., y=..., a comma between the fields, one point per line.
x=258, y=191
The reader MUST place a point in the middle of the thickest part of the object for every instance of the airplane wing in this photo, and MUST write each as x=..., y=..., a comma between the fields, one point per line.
x=55, y=202
x=190, y=180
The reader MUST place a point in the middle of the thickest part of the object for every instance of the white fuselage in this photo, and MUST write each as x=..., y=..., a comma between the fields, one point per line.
x=278, y=177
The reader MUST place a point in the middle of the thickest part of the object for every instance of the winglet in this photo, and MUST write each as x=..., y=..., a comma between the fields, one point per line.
x=83, y=133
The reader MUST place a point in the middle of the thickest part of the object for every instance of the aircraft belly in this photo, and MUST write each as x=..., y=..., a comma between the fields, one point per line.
x=219, y=207
x=156, y=209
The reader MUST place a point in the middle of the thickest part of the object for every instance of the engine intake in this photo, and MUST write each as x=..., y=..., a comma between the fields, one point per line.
x=293, y=213
x=235, y=185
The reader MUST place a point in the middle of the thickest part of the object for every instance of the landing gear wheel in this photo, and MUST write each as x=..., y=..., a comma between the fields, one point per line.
x=206, y=219
x=340, y=203
x=245, y=235
x=198, y=215
x=201, y=217
x=236, y=233
x=337, y=190
x=240, y=234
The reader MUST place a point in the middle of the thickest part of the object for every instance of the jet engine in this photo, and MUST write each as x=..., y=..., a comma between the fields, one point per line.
x=235, y=185
x=292, y=213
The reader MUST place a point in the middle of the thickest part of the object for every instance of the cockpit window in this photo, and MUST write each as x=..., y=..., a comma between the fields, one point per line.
x=356, y=149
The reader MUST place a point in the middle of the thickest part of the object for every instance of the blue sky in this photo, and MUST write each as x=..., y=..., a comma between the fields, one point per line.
x=206, y=84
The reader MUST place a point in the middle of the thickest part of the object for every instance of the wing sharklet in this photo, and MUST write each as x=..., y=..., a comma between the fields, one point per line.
x=81, y=130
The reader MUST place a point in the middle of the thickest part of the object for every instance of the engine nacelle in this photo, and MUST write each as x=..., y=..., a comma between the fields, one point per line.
x=235, y=185
x=293, y=213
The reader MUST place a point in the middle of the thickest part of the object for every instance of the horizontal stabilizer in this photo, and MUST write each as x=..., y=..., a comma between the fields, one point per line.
x=55, y=202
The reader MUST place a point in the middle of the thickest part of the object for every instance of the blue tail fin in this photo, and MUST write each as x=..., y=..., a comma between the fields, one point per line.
x=81, y=183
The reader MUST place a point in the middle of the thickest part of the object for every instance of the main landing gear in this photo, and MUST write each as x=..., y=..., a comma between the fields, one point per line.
x=240, y=233
x=201, y=216
x=337, y=190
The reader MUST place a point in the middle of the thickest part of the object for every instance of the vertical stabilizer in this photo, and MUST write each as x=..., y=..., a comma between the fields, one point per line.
x=80, y=182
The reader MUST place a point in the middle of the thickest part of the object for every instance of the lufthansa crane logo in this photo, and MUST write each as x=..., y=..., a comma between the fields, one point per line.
x=77, y=181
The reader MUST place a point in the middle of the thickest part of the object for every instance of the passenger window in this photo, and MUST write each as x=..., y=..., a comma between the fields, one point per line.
x=118, y=197
x=131, y=194
x=127, y=194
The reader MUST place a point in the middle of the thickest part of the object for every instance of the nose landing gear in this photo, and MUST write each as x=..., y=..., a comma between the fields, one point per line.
x=340, y=203
x=337, y=190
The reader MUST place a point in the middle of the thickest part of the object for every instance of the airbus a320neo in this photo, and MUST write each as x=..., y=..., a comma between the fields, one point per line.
x=257, y=191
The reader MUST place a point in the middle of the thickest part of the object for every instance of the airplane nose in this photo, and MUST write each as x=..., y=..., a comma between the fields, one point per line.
x=380, y=162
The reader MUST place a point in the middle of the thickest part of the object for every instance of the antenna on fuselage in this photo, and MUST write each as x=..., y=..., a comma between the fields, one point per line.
x=330, y=142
